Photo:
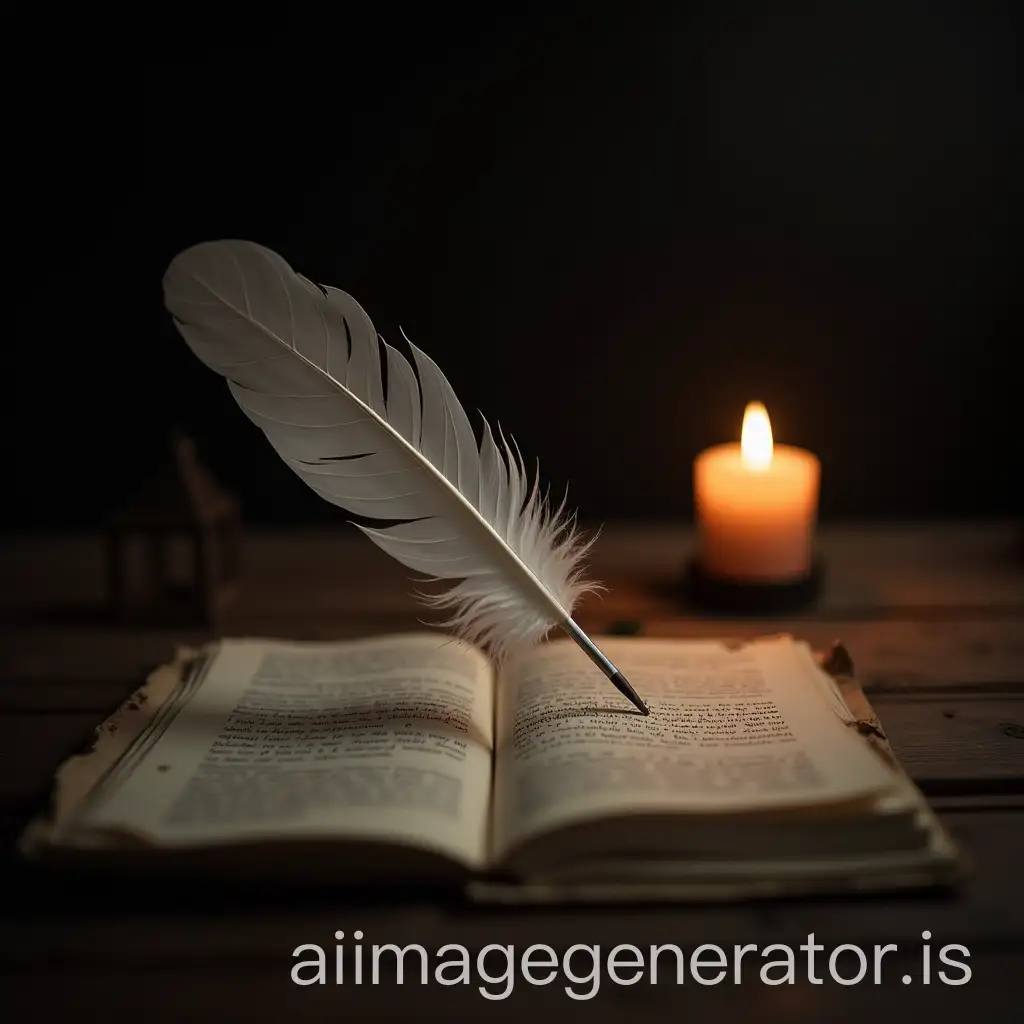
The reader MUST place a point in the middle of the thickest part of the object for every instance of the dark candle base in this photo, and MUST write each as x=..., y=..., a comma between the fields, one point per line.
x=723, y=595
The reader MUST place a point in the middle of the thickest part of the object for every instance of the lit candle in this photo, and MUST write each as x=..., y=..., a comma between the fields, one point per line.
x=757, y=503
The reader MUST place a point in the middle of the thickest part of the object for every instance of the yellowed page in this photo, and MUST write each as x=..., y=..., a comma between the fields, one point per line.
x=388, y=739
x=730, y=730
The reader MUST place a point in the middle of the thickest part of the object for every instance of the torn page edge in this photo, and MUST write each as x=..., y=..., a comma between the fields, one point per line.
x=78, y=778
x=839, y=686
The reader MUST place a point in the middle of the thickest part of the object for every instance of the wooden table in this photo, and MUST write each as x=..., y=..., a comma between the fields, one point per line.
x=934, y=618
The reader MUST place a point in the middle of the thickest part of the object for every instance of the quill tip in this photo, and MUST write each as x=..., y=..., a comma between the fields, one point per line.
x=624, y=687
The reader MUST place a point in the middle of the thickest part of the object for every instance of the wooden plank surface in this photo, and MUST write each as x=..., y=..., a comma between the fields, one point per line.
x=958, y=744
x=879, y=569
x=933, y=616
x=253, y=993
x=889, y=655
x=192, y=926
x=228, y=956
x=31, y=747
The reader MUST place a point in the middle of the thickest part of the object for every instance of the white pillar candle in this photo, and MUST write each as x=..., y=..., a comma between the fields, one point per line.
x=756, y=505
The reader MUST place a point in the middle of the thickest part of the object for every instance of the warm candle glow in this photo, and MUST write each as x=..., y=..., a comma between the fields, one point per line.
x=756, y=505
x=756, y=446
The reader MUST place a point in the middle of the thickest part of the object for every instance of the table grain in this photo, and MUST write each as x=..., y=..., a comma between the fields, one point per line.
x=933, y=615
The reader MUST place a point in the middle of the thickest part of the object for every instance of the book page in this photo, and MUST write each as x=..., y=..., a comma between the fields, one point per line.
x=730, y=730
x=387, y=739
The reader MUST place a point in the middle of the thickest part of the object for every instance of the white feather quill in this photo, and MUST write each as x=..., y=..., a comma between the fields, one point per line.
x=306, y=365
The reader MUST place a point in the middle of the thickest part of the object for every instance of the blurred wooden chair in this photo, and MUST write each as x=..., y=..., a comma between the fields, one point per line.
x=174, y=553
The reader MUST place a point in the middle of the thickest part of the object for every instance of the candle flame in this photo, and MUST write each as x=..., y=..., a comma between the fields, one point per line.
x=756, y=445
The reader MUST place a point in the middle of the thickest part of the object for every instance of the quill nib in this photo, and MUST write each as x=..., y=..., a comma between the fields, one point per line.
x=595, y=654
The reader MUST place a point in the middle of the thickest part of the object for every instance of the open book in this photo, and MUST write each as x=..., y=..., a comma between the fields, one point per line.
x=412, y=757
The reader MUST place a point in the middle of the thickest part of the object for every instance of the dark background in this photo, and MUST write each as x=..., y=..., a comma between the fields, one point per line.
x=611, y=228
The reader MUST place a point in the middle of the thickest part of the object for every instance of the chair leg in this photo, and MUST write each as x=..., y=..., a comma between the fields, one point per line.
x=116, y=586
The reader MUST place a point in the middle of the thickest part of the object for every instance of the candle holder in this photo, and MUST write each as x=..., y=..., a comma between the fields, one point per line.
x=751, y=597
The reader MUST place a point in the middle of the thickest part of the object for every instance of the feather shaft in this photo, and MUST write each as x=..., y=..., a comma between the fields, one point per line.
x=305, y=364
